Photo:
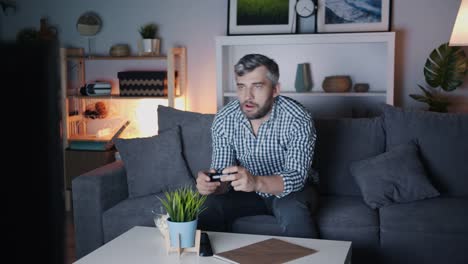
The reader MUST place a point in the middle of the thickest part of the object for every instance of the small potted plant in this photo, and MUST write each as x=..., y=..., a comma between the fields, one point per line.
x=183, y=205
x=150, y=42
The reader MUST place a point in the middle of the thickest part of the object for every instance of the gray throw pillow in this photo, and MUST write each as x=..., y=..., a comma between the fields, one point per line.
x=442, y=141
x=196, y=135
x=396, y=176
x=154, y=164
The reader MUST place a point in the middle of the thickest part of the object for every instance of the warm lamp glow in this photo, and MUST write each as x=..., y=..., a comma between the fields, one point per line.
x=460, y=29
x=144, y=120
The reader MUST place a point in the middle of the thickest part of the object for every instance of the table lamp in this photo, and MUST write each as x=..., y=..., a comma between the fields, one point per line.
x=460, y=29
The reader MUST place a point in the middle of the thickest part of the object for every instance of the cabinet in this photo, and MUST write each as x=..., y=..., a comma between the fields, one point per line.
x=365, y=57
x=92, y=134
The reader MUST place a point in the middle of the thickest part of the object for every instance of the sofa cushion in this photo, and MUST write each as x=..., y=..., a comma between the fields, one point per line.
x=442, y=140
x=440, y=215
x=427, y=231
x=196, y=135
x=349, y=218
x=396, y=176
x=339, y=142
x=154, y=164
x=129, y=213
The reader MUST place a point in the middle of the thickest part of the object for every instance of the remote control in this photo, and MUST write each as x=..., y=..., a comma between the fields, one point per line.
x=205, y=245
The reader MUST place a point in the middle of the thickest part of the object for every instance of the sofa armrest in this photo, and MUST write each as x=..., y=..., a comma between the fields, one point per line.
x=93, y=193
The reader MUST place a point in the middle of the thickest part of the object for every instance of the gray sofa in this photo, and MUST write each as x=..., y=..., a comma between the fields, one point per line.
x=427, y=230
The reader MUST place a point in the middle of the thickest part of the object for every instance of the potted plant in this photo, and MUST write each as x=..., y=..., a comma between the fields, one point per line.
x=150, y=42
x=445, y=70
x=183, y=205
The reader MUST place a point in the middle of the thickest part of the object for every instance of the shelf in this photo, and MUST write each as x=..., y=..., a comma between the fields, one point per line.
x=117, y=97
x=118, y=58
x=365, y=57
x=233, y=94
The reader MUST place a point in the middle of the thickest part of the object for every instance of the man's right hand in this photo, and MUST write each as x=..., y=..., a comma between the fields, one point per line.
x=204, y=185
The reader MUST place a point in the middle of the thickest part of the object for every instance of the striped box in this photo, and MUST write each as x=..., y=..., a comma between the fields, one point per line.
x=143, y=83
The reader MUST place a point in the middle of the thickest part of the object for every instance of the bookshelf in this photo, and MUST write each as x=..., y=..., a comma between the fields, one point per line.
x=87, y=142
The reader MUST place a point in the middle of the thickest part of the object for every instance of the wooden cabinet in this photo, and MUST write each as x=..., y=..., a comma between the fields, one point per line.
x=365, y=57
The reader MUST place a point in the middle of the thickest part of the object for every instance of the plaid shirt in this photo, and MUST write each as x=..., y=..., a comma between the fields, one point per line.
x=284, y=145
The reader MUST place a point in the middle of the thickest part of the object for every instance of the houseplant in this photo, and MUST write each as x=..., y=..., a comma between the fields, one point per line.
x=444, y=70
x=183, y=205
x=148, y=34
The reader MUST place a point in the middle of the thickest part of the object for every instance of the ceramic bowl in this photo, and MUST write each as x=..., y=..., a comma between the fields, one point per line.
x=337, y=84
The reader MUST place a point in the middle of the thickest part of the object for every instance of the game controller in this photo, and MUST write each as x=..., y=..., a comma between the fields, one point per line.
x=216, y=176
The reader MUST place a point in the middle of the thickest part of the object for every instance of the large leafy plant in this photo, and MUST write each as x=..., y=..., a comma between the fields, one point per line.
x=183, y=204
x=445, y=70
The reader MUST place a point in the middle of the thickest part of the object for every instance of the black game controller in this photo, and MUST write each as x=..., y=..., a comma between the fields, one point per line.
x=216, y=176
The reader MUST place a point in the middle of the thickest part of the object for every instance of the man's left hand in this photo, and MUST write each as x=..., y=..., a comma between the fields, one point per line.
x=241, y=179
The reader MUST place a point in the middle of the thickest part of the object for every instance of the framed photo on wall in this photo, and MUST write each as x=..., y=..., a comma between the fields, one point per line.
x=261, y=17
x=353, y=15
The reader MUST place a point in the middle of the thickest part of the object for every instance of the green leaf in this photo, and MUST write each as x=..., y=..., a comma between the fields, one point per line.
x=183, y=204
x=446, y=67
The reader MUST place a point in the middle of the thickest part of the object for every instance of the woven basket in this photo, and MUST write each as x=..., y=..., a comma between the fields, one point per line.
x=337, y=84
x=119, y=50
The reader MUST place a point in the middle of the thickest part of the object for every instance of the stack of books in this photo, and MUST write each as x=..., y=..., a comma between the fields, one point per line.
x=100, y=141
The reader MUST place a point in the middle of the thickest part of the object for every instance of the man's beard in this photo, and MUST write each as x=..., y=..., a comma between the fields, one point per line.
x=261, y=112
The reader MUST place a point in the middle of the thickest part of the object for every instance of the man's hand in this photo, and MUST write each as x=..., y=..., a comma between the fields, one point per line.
x=204, y=185
x=241, y=179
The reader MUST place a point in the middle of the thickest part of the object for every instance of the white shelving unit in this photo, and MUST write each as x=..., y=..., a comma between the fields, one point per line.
x=365, y=57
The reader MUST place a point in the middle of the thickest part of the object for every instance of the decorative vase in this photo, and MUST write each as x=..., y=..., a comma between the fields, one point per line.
x=151, y=46
x=185, y=231
x=147, y=45
x=303, y=81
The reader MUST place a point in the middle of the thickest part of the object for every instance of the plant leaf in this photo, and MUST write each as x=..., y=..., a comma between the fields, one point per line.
x=446, y=67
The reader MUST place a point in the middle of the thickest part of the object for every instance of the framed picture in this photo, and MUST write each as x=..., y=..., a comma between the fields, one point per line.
x=261, y=17
x=353, y=15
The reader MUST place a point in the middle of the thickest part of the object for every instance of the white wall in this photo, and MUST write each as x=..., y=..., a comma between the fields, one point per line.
x=421, y=26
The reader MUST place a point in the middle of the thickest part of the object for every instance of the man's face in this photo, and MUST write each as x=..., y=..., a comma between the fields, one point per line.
x=256, y=93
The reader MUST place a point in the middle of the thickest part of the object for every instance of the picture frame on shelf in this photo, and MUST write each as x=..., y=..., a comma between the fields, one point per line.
x=353, y=16
x=261, y=17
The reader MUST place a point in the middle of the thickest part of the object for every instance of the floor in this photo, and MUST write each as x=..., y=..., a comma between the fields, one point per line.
x=70, y=256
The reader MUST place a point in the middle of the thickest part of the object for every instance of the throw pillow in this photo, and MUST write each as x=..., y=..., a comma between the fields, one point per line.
x=396, y=176
x=154, y=164
x=442, y=140
x=196, y=135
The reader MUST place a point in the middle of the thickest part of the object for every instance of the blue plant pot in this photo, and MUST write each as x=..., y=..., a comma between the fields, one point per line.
x=186, y=231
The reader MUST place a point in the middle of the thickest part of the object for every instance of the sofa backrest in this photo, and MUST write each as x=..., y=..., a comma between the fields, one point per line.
x=442, y=140
x=339, y=142
x=196, y=135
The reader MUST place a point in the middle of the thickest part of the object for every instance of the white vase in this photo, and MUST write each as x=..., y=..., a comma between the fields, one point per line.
x=151, y=46
x=147, y=45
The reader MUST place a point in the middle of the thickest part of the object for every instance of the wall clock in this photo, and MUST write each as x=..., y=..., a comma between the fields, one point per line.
x=306, y=8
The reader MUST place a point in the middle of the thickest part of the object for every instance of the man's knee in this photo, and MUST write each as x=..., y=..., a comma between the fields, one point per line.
x=295, y=213
x=212, y=218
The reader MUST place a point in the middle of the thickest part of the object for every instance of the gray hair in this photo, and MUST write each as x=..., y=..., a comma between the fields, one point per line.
x=249, y=62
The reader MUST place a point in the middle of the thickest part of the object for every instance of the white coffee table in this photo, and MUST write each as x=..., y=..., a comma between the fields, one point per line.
x=146, y=245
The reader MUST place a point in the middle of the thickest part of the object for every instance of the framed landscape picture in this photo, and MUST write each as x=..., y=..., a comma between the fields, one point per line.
x=261, y=17
x=353, y=15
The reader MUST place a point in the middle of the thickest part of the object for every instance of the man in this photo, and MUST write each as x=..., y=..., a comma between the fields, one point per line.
x=263, y=144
